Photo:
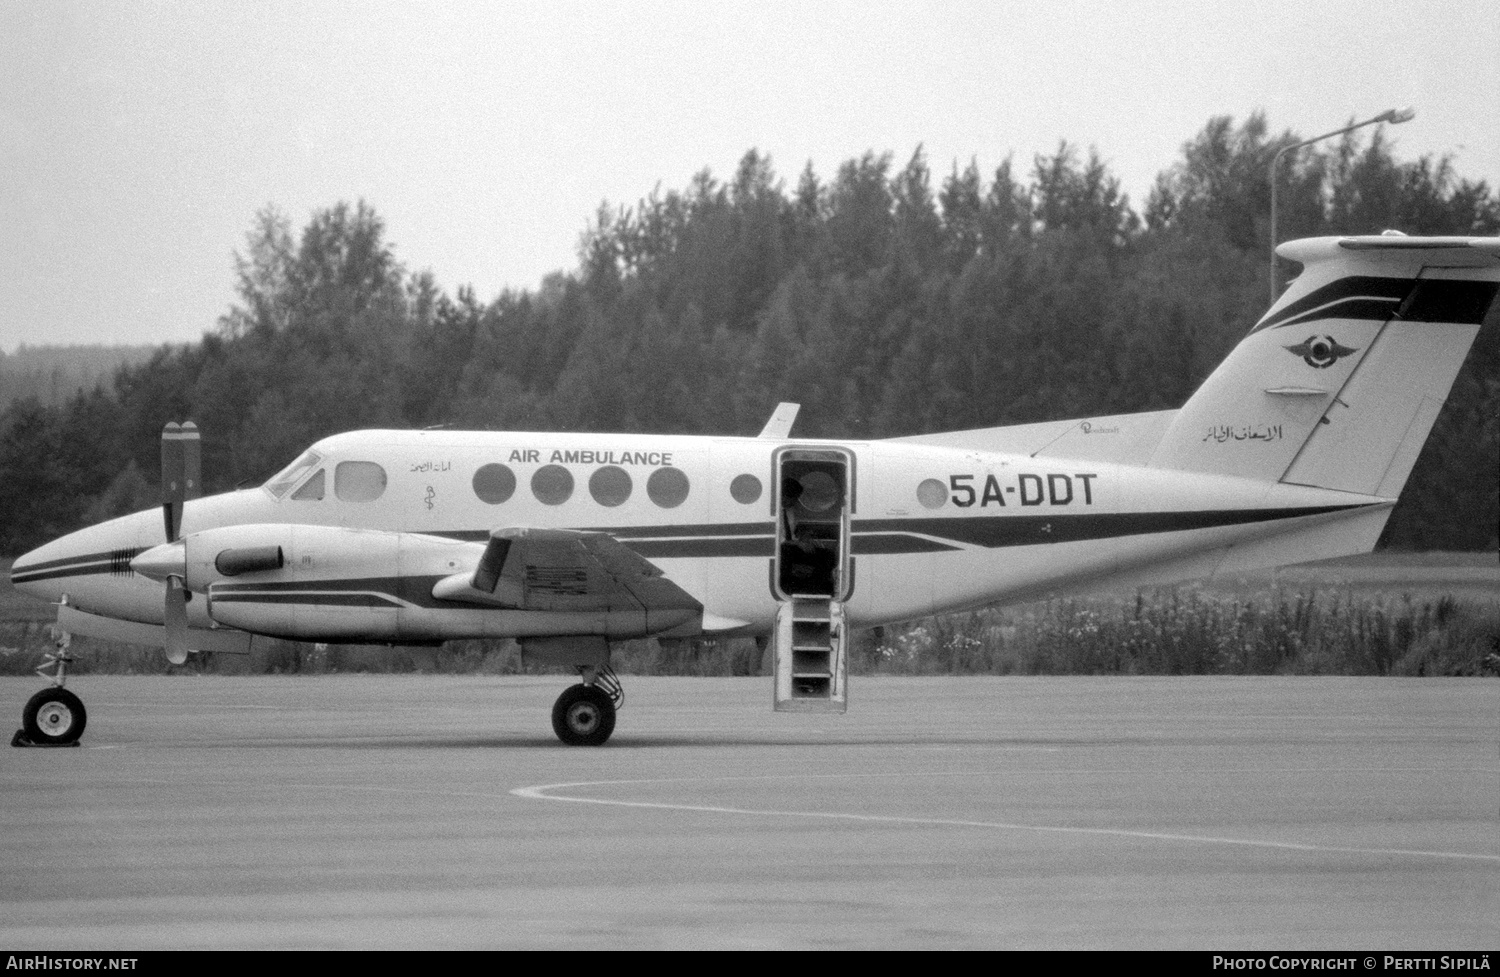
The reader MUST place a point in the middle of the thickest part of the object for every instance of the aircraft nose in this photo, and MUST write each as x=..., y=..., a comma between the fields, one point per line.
x=93, y=559
x=33, y=574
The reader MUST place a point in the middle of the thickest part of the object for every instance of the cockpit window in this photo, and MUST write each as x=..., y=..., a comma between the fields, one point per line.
x=282, y=482
x=358, y=481
x=311, y=490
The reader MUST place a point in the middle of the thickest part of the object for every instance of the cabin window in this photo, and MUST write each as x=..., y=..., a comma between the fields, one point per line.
x=552, y=485
x=932, y=493
x=745, y=489
x=311, y=490
x=494, y=483
x=610, y=485
x=282, y=482
x=667, y=487
x=819, y=491
x=358, y=481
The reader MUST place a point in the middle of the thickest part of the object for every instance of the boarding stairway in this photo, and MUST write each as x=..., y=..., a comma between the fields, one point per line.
x=811, y=655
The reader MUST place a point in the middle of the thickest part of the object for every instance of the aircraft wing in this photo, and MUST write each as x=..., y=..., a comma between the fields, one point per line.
x=564, y=570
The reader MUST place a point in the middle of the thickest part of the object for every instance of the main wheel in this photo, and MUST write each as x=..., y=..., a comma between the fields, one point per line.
x=583, y=716
x=54, y=716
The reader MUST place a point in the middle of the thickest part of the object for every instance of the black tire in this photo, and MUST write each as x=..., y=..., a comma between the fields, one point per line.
x=584, y=715
x=54, y=716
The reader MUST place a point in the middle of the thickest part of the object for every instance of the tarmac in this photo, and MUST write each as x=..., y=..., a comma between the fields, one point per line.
x=415, y=812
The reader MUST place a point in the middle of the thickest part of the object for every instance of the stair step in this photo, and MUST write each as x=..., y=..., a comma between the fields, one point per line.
x=811, y=656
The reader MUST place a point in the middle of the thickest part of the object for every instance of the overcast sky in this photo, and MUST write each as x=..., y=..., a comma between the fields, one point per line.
x=138, y=140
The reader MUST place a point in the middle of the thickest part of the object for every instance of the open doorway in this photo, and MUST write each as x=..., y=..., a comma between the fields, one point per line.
x=813, y=502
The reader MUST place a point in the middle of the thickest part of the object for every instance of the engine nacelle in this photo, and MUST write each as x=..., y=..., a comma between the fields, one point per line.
x=334, y=584
x=319, y=583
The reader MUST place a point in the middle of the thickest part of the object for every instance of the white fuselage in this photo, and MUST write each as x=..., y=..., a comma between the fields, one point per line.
x=932, y=528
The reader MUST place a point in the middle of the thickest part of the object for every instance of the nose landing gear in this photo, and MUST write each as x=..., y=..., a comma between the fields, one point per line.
x=54, y=716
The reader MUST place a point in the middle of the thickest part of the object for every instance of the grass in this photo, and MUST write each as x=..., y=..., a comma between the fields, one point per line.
x=1427, y=614
x=1190, y=631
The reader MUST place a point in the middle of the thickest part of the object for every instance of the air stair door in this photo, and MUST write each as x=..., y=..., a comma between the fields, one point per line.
x=812, y=576
x=812, y=667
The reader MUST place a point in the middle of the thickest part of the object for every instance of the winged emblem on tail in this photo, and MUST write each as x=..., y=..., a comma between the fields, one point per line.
x=1320, y=352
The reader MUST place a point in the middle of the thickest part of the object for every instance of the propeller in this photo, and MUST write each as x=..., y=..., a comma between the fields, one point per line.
x=181, y=480
x=181, y=470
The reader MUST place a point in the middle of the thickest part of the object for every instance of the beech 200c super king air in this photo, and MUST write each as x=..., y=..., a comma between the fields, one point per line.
x=1294, y=449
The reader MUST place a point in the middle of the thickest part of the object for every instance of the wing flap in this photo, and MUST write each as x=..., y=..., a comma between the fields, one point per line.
x=565, y=570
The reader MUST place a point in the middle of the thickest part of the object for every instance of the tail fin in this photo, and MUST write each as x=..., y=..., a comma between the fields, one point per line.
x=1339, y=383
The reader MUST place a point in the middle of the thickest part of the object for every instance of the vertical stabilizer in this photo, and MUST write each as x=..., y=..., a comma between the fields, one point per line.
x=1339, y=384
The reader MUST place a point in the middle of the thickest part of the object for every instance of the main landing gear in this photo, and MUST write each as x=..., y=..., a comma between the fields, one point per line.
x=584, y=715
x=54, y=716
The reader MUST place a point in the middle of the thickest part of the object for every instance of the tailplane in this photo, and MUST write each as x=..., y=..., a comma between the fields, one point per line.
x=1339, y=383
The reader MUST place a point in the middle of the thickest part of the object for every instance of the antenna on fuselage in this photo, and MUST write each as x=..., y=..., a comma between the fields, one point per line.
x=780, y=424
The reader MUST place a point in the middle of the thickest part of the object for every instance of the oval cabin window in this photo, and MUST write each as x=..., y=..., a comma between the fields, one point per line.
x=552, y=484
x=667, y=487
x=494, y=483
x=745, y=489
x=932, y=493
x=610, y=485
x=358, y=481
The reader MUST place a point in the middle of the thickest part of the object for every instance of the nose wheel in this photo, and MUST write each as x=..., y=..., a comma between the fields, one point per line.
x=54, y=716
x=584, y=715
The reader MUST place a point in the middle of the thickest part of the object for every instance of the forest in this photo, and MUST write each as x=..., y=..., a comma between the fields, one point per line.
x=886, y=298
x=55, y=374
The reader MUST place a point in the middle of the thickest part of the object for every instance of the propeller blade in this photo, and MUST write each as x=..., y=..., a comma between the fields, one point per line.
x=192, y=461
x=172, y=495
x=181, y=472
x=177, y=622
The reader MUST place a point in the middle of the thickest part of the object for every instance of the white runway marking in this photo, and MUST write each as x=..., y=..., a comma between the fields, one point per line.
x=542, y=792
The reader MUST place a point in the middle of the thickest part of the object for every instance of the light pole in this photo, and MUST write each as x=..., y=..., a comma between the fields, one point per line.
x=1393, y=116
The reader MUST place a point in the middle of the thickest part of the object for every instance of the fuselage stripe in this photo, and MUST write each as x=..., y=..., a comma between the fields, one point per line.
x=870, y=536
x=71, y=568
x=321, y=598
x=988, y=532
x=86, y=563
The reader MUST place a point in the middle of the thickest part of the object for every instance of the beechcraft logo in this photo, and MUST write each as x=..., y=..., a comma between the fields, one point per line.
x=1320, y=352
